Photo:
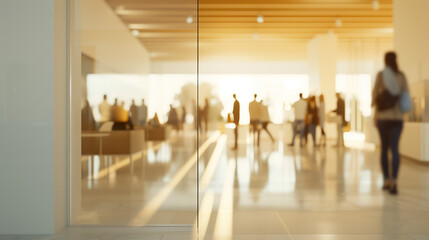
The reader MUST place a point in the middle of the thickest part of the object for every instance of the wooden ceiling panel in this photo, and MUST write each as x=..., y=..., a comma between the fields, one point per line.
x=229, y=27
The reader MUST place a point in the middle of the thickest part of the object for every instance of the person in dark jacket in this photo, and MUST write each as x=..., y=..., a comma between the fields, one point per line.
x=312, y=118
x=173, y=119
x=236, y=114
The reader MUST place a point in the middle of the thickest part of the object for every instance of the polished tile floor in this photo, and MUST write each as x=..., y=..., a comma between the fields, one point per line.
x=268, y=192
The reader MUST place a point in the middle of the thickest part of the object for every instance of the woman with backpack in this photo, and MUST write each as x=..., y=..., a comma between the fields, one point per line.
x=390, y=84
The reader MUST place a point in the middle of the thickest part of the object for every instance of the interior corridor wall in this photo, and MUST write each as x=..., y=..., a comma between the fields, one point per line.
x=412, y=37
x=411, y=44
x=107, y=40
x=32, y=116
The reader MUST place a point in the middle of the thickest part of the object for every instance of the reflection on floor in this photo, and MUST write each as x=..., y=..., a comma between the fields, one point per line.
x=268, y=192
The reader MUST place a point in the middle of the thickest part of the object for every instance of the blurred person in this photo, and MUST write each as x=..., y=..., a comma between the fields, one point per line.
x=300, y=109
x=389, y=121
x=341, y=121
x=306, y=123
x=124, y=115
x=265, y=119
x=255, y=118
x=104, y=109
x=120, y=117
x=312, y=115
x=183, y=118
x=195, y=113
x=236, y=114
x=173, y=118
x=205, y=115
x=115, y=111
x=134, y=112
x=142, y=113
x=87, y=118
x=199, y=118
x=154, y=122
x=321, y=115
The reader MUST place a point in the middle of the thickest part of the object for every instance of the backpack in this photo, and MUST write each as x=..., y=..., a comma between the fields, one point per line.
x=385, y=100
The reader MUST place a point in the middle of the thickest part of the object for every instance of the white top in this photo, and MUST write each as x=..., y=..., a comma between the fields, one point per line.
x=300, y=108
x=143, y=112
x=254, y=110
x=104, y=109
x=265, y=115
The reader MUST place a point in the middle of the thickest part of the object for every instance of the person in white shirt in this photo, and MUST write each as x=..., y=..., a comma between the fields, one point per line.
x=104, y=109
x=265, y=119
x=300, y=108
x=255, y=117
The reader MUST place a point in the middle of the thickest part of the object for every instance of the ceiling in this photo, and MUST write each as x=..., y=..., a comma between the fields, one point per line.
x=228, y=29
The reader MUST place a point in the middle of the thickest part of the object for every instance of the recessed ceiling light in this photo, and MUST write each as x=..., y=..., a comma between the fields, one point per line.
x=255, y=35
x=153, y=54
x=375, y=5
x=338, y=22
x=260, y=19
x=135, y=32
x=189, y=19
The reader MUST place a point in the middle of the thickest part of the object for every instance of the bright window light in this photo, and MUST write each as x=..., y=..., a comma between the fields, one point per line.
x=355, y=87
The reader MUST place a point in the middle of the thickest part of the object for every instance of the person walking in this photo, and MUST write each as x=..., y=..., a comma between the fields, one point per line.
x=389, y=121
x=312, y=118
x=236, y=114
x=321, y=115
x=254, y=114
x=300, y=109
x=265, y=119
x=173, y=118
x=341, y=120
x=183, y=118
x=205, y=115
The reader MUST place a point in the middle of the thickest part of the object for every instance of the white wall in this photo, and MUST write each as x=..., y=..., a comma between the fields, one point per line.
x=411, y=20
x=32, y=126
x=107, y=39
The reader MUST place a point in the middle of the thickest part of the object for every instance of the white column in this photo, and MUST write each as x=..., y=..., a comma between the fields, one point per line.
x=411, y=40
x=411, y=37
x=32, y=116
x=322, y=68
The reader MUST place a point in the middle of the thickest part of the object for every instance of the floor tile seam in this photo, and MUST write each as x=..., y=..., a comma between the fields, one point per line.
x=359, y=208
x=358, y=234
x=412, y=235
x=284, y=225
x=162, y=236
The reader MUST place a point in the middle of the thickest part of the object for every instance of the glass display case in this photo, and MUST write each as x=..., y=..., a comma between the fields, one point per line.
x=415, y=134
x=420, y=94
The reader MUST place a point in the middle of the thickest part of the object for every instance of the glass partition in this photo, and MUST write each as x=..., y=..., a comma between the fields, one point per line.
x=137, y=163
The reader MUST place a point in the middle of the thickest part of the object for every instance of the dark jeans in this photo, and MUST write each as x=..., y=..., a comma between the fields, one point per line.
x=312, y=131
x=255, y=130
x=298, y=124
x=390, y=131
